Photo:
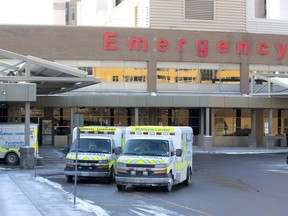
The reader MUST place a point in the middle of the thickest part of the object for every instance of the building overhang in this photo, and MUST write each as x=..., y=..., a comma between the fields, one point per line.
x=275, y=84
x=50, y=77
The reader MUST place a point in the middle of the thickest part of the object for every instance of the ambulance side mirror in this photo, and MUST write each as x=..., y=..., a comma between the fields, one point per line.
x=118, y=150
x=178, y=152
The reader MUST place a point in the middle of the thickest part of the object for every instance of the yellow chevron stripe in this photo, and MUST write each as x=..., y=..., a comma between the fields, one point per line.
x=129, y=161
x=140, y=162
x=152, y=161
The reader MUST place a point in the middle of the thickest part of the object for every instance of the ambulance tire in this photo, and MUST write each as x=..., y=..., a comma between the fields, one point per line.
x=121, y=187
x=12, y=158
x=69, y=179
x=188, y=178
x=168, y=187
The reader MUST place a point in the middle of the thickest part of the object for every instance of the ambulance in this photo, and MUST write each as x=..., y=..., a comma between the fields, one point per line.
x=155, y=156
x=95, y=152
x=12, y=137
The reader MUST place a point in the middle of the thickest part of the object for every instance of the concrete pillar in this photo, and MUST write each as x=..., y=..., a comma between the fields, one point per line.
x=27, y=157
x=207, y=123
x=271, y=138
x=136, y=116
x=207, y=140
x=252, y=141
x=260, y=127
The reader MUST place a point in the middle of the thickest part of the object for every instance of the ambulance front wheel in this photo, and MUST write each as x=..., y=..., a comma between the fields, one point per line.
x=168, y=187
x=121, y=187
x=12, y=158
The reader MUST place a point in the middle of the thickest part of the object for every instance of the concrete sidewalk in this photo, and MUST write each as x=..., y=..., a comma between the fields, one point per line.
x=26, y=193
x=29, y=193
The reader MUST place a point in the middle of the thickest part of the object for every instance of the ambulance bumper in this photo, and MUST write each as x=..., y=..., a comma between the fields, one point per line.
x=87, y=174
x=143, y=181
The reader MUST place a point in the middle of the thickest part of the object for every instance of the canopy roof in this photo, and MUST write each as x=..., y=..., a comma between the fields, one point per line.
x=50, y=77
x=275, y=84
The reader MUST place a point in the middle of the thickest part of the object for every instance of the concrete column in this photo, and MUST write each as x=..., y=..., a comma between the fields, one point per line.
x=252, y=142
x=207, y=138
x=270, y=142
x=207, y=122
x=136, y=110
x=259, y=127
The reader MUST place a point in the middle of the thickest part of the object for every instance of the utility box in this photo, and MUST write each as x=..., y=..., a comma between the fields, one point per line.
x=27, y=157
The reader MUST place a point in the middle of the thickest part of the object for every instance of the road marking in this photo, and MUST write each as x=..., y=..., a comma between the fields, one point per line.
x=178, y=205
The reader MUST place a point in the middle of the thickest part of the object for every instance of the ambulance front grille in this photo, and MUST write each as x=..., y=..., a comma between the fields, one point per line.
x=86, y=161
x=141, y=165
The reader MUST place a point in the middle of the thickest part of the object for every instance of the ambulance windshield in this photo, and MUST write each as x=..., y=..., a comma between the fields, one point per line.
x=92, y=145
x=147, y=147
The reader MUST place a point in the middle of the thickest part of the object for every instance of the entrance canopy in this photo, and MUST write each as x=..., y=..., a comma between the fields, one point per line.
x=49, y=77
x=269, y=84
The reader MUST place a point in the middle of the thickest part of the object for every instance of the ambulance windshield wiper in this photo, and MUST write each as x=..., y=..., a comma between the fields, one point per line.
x=130, y=153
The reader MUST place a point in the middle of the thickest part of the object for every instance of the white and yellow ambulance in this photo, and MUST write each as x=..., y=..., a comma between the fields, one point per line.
x=95, y=152
x=12, y=137
x=155, y=156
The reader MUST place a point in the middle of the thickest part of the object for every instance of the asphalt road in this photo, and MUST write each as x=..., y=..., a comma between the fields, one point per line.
x=222, y=185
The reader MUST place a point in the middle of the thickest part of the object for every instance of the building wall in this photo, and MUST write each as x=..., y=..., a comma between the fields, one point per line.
x=87, y=43
x=229, y=15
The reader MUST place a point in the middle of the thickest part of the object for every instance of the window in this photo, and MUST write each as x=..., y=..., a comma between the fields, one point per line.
x=73, y=13
x=199, y=9
x=135, y=79
x=87, y=69
x=271, y=9
x=207, y=74
x=232, y=122
x=260, y=9
x=115, y=79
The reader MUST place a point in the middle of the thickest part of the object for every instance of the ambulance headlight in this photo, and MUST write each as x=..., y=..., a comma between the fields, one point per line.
x=160, y=166
x=102, y=162
x=121, y=165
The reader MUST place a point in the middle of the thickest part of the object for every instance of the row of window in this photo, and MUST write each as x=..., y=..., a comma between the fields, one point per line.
x=172, y=75
x=226, y=122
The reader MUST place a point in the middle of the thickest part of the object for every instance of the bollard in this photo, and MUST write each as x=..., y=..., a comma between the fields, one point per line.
x=26, y=157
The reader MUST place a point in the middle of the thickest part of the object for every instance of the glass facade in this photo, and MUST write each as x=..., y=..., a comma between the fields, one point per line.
x=176, y=72
x=232, y=122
